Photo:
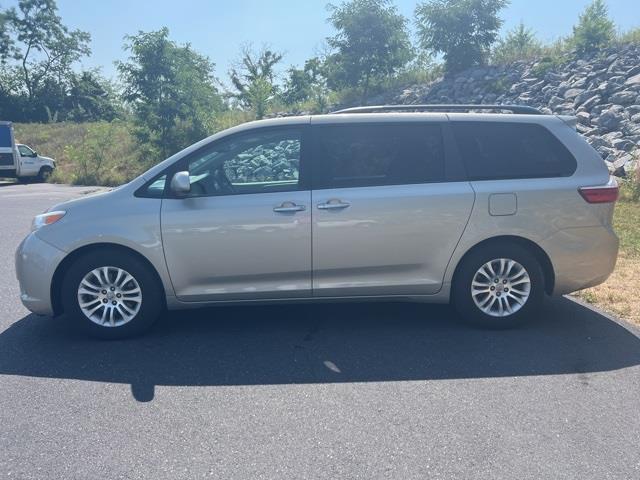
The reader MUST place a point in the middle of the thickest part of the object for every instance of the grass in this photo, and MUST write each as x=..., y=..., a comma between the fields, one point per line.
x=51, y=139
x=619, y=294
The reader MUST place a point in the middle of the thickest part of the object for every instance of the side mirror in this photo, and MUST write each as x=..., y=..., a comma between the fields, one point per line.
x=35, y=154
x=180, y=183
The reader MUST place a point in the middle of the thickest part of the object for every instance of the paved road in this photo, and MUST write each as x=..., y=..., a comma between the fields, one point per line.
x=355, y=391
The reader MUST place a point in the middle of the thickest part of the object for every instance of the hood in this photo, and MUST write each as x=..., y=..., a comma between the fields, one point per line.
x=89, y=195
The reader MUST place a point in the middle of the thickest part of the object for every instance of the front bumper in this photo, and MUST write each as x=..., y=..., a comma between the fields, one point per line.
x=582, y=257
x=36, y=262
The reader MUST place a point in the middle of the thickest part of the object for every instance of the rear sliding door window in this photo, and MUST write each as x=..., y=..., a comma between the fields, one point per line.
x=367, y=155
x=493, y=150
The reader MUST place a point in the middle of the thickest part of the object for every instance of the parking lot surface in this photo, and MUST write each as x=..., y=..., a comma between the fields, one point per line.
x=378, y=390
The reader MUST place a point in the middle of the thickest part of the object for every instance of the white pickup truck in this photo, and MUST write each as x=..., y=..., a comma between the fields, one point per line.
x=20, y=161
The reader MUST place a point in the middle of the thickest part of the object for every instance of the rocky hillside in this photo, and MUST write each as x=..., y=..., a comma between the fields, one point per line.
x=603, y=91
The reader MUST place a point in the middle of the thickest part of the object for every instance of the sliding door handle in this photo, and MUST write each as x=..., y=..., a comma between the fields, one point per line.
x=333, y=205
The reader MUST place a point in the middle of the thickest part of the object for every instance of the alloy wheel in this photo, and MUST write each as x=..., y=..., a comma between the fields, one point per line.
x=109, y=296
x=500, y=287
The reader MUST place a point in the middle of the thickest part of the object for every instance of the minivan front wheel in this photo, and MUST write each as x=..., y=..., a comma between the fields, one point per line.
x=498, y=286
x=111, y=294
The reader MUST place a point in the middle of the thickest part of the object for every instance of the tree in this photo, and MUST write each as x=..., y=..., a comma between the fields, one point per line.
x=302, y=84
x=371, y=44
x=45, y=48
x=37, y=52
x=519, y=44
x=90, y=98
x=594, y=29
x=171, y=90
x=6, y=42
x=254, y=79
x=462, y=30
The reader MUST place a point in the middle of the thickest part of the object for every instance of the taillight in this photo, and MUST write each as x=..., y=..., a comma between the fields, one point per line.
x=601, y=194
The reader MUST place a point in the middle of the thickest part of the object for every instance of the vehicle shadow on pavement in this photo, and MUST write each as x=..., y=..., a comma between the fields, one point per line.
x=321, y=343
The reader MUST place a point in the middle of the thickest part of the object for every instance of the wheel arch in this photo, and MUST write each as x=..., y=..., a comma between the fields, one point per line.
x=63, y=267
x=538, y=252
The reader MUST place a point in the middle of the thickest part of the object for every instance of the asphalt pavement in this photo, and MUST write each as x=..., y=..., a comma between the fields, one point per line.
x=378, y=390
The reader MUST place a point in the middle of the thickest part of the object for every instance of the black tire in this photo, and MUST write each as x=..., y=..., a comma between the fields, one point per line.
x=461, y=289
x=151, y=305
x=44, y=174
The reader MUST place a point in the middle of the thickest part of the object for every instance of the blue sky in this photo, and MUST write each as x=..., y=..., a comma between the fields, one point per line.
x=217, y=28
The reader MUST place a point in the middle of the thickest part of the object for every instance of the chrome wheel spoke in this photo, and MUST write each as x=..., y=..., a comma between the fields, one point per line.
x=516, y=299
x=89, y=285
x=500, y=287
x=109, y=296
x=118, y=277
x=89, y=303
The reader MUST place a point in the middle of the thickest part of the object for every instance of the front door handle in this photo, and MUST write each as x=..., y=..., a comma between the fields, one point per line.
x=289, y=207
x=333, y=204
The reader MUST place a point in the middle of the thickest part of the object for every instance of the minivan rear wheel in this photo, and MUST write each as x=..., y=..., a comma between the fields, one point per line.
x=498, y=286
x=111, y=294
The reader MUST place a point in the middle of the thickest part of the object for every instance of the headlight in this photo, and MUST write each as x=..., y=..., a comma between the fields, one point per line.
x=46, y=219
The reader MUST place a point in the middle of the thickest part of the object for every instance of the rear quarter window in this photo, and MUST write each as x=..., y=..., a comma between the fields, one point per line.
x=496, y=150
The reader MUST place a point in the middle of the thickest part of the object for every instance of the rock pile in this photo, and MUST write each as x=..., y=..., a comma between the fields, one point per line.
x=275, y=161
x=602, y=91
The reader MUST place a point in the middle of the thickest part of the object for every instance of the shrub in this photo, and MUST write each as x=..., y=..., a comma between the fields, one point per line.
x=519, y=44
x=106, y=155
x=545, y=65
x=498, y=86
x=630, y=36
x=594, y=30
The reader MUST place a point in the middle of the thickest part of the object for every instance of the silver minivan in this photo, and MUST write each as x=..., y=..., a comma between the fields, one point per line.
x=464, y=204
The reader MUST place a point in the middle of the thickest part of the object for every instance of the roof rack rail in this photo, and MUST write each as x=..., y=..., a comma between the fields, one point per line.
x=519, y=109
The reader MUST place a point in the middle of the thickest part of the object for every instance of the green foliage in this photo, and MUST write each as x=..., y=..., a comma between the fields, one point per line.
x=630, y=36
x=229, y=118
x=498, y=86
x=300, y=84
x=305, y=89
x=106, y=155
x=171, y=91
x=91, y=98
x=6, y=43
x=552, y=57
x=259, y=95
x=520, y=44
x=371, y=44
x=45, y=47
x=545, y=64
x=254, y=79
x=86, y=153
x=461, y=30
x=37, y=81
x=51, y=139
x=594, y=30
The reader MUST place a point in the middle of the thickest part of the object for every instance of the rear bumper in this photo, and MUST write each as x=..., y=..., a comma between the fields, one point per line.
x=36, y=262
x=581, y=257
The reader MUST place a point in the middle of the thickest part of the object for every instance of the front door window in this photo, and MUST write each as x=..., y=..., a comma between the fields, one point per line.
x=257, y=162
